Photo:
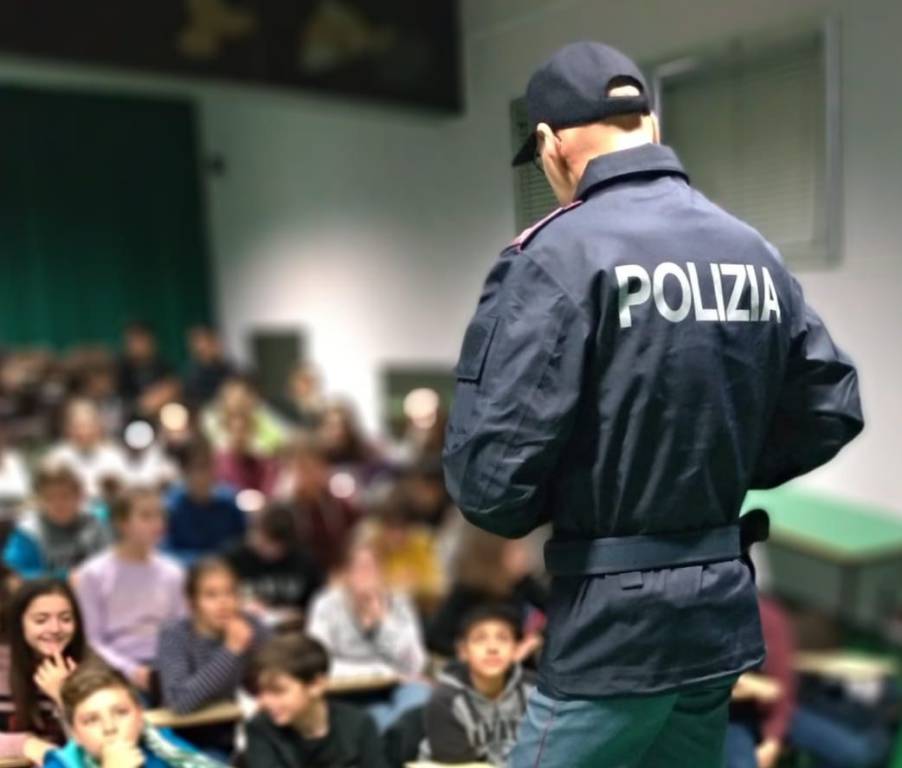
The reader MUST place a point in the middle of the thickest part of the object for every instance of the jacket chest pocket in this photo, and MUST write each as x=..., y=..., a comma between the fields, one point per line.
x=469, y=373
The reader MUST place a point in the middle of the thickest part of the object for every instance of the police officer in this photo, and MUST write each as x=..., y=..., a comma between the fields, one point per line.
x=638, y=360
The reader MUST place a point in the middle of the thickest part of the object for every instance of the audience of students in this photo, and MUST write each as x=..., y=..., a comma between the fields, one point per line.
x=345, y=445
x=60, y=533
x=238, y=464
x=107, y=727
x=46, y=643
x=475, y=711
x=323, y=520
x=276, y=572
x=203, y=658
x=15, y=480
x=208, y=367
x=352, y=542
x=146, y=380
x=96, y=461
x=21, y=743
x=305, y=402
x=372, y=631
x=130, y=590
x=297, y=726
x=239, y=395
x=203, y=517
x=487, y=568
x=407, y=552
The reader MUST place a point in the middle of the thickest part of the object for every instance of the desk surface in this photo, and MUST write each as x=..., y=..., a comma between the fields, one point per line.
x=427, y=764
x=836, y=529
x=14, y=762
x=230, y=711
x=844, y=665
x=223, y=712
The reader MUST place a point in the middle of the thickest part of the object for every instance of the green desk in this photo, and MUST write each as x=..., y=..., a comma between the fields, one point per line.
x=848, y=536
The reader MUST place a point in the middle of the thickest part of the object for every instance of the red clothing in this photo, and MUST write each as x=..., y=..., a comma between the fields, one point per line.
x=245, y=470
x=324, y=526
x=781, y=647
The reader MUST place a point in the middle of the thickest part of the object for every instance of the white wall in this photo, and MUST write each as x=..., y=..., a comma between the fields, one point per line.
x=373, y=228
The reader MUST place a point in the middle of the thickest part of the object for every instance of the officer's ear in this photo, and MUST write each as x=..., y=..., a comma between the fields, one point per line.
x=655, y=128
x=546, y=142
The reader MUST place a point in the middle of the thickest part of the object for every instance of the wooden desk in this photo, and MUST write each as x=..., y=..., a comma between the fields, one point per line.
x=362, y=684
x=15, y=762
x=428, y=764
x=230, y=711
x=215, y=714
x=845, y=666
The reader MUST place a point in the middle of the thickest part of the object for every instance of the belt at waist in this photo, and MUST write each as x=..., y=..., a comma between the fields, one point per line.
x=650, y=552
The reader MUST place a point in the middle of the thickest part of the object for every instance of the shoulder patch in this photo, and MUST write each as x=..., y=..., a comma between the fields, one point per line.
x=522, y=240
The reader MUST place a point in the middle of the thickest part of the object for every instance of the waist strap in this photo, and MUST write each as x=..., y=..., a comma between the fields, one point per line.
x=649, y=552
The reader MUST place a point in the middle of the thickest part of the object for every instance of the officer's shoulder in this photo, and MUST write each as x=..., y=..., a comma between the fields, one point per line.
x=557, y=218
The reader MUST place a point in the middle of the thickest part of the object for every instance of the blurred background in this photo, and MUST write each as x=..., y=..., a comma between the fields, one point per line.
x=264, y=224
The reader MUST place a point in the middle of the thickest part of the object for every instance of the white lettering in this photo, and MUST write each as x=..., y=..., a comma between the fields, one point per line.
x=770, y=303
x=734, y=313
x=702, y=313
x=667, y=312
x=753, y=284
x=718, y=292
x=629, y=298
x=636, y=287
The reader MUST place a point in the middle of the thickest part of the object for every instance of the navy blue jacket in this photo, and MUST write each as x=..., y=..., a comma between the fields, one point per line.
x=637, y=362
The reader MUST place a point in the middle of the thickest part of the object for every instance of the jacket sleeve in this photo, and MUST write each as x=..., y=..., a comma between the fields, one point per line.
x=518, y=384
x=260, y=751
x=372, y=749
x=185, y=689
x=447, y=737
x=818, y=408
x=23, y=555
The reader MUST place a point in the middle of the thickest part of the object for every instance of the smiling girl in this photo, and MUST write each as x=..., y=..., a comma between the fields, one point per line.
x=47, y=643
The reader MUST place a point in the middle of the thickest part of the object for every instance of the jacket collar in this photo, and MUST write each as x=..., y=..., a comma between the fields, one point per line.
x=656, y=159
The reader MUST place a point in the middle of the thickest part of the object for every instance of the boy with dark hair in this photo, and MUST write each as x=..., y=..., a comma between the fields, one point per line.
x=203, y=517
x=273, y=566
x=297, y=727
x=476, y=709
x=59, y=534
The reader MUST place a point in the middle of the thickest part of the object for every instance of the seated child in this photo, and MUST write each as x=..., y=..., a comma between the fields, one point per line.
x=238, y=465
x=476, y=710
x=86, y=450
x=108, y=730
x=22, y=744
x=123, y=630
x=202, y=659
x=59, y=534
x=273, y=566
x=203, y=517
x=370, y=630
x=46, y=643
x=297, y=726
x=407, y=551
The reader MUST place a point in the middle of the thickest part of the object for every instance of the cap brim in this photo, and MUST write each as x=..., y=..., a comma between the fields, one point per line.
x=527, y=151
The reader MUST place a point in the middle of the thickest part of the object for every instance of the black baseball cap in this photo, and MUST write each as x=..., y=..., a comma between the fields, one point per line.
x=572, y=87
